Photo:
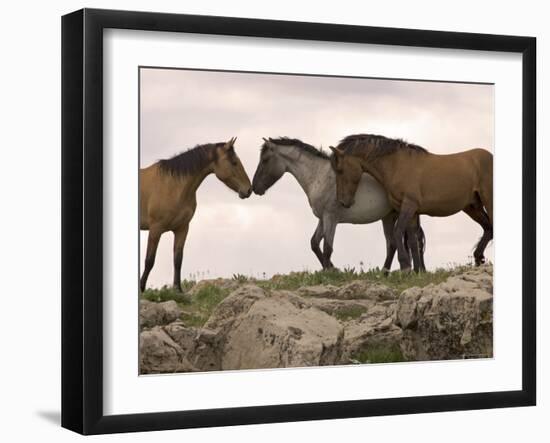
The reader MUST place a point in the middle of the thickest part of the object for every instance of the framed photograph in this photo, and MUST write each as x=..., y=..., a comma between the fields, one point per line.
x=269, y=221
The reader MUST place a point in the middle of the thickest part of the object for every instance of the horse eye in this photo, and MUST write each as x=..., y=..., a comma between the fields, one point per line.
x=265, y=160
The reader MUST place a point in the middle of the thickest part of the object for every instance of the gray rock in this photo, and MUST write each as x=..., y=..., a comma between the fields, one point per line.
x=279, y=330
x=201, y=347
x=235, y=305
x=375, y=329
x=362, y=289
x=158, y=353
x=325, y=291
x=156, y=314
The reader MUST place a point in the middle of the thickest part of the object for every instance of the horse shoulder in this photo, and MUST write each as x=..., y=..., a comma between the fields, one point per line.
x=322, y=195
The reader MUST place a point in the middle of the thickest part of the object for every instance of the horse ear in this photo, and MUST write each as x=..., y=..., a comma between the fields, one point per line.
x=230, y=143
x=336, y=151
x=265, y=139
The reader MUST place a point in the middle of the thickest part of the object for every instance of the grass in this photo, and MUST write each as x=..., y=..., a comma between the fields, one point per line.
x=196, y=309
x=380, y=354
x=396, y=280
x=168, y=293
x=349, y=313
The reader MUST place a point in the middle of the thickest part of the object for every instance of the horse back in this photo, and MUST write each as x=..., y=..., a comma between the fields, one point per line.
x=440, y=184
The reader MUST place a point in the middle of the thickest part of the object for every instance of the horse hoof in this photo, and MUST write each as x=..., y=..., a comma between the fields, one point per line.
x=385, y=272
x=406, y=270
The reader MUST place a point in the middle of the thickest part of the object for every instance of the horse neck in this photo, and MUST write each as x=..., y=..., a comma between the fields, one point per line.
x=192, y=182
x=308, y=170
x=379, y=167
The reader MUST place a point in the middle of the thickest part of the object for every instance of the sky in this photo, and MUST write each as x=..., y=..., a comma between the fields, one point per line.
x=262, y=236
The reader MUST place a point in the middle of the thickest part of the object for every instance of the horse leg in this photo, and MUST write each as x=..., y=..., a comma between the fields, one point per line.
x=477, y=214
x=179, y=242
x=388, y=223
x=152, y=243
x=407, y=212
x=316, y=241
x=329, y=227
x=412, y=243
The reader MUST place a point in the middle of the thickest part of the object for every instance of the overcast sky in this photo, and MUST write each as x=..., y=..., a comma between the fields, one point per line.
x=271, y=234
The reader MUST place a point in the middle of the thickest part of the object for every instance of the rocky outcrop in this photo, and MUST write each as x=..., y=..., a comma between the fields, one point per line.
x=323, y=325
x=448, y=321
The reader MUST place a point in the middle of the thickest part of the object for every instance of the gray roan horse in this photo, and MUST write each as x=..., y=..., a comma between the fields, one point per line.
x=311, y=168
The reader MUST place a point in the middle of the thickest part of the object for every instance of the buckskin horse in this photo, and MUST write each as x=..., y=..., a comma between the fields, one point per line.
x=418, y=182
x=168, y=195
x=311, y=168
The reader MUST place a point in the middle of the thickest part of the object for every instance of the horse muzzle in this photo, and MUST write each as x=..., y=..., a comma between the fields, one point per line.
x=245, y=194
x=258, y=191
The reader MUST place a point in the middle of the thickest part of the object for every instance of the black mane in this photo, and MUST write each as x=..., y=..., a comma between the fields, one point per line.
x=379, y=145
x=190, y=161
x=285, y=141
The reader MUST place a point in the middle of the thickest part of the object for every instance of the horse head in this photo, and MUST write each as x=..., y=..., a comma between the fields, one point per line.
x=229, y=169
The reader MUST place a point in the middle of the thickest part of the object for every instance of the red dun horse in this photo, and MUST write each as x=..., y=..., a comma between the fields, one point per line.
x=168, y=200
x=419, y=182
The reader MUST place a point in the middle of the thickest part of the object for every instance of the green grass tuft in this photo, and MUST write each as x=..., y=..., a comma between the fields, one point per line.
x=396, y=280
x=168, y=293
x=202, y=304
x=349, y=313
x=380, y=354
x=241, y=278
x=197, y=308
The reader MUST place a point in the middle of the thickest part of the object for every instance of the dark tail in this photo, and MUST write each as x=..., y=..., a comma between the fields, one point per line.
x=421, y=240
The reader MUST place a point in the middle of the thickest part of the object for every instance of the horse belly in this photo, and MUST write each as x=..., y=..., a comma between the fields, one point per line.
x=444, y=207
x=448, y=186
x=371, y=203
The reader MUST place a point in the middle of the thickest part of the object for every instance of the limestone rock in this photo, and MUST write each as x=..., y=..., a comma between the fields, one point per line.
x=155, y=314
x=451, y=320
x=158, y=353
x=278, y=330
x=201, y=347
x=363, y=289
x=374, y=329
x=325, y=291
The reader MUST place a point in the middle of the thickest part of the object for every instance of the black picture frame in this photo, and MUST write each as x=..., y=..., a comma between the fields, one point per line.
x=82, y=218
